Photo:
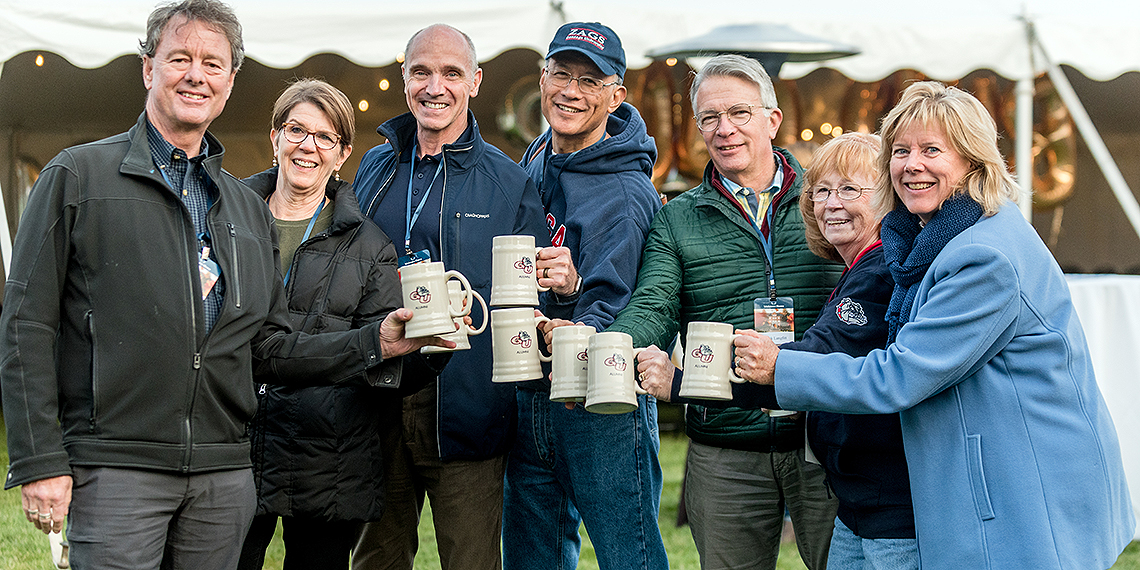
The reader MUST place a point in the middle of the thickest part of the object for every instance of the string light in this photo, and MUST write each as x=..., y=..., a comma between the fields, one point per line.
x=384, y=84
x=39, y=60
x=363, y=105
x=671, y=61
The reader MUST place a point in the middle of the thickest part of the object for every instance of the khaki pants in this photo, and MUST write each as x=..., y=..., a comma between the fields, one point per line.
x=466, y=499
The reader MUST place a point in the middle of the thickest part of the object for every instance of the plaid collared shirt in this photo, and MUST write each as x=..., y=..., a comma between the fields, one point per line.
x=188, y=177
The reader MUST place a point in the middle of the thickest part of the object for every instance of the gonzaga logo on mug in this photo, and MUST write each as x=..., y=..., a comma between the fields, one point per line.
x=525, y=264
x=522, y=339
x=616, y=362
x=703, y=353
x=421, y=294
x=582, y=356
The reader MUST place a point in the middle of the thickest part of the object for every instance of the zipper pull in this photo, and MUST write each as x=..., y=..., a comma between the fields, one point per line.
x=261, y=390
x=197, y=360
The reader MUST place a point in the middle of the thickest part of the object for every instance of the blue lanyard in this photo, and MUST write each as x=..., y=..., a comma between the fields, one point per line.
x=308, y=232
x=409, y=218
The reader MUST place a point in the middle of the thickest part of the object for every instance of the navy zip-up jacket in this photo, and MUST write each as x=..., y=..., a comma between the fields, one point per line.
x=485, y=194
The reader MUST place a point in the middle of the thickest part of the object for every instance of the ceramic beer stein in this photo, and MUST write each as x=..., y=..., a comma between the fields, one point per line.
x=708, y=366
x=514, y=276
x=570, y=369
x=612, y=387
x=459, y=337
x=424, y=287
x=514, y=345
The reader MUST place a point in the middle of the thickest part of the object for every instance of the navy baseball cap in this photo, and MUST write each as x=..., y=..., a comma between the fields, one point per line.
x=593, y=40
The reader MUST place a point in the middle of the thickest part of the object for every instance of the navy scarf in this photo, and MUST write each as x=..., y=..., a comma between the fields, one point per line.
x=910, y=248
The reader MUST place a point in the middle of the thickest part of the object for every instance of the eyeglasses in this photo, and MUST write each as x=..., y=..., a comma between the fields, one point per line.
x=586, y=84
x=738, y=114
x=297, y=134
x=845, y=193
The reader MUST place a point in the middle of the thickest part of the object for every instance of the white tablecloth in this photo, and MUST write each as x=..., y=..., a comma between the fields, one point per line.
x=1109, y=309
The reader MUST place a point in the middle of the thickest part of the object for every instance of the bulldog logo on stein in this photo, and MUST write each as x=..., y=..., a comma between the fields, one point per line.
x=421, y=294
x=703, y=353
x=616, y=362
x=525, y=264
x=522, y=339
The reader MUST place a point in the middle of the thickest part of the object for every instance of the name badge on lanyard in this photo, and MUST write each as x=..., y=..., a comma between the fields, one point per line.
x=413, y=257
x=775, y=318
x=208, y=272
x=410, y=218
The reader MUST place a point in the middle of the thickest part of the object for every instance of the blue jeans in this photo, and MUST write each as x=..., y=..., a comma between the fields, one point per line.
x=850, y=552
x=572, y=466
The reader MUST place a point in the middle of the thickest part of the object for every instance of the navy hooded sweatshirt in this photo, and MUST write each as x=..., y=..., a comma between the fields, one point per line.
x=599, y=202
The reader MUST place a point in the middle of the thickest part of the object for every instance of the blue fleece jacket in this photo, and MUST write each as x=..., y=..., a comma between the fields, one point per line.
x=599, y=202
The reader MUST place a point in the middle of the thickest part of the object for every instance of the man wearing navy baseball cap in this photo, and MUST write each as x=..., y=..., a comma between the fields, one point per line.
x=568, y=465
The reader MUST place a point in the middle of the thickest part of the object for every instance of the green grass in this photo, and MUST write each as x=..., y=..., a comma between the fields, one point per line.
x=22, y=547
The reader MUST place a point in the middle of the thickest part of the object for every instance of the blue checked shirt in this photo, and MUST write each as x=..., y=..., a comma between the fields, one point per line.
x=187, y=177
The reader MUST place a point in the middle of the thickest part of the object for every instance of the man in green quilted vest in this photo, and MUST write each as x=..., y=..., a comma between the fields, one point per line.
x=713, y=254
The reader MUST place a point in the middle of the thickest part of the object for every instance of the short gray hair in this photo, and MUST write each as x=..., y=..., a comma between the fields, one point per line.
x=740, y=67
x=213, y=13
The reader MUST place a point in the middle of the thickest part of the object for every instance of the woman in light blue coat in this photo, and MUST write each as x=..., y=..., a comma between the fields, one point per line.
x=1014, y=461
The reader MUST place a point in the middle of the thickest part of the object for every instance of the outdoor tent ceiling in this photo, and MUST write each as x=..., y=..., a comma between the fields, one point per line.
x=943, y=40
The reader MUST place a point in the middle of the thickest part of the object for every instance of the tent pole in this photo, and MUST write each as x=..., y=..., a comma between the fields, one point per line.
x=1093, y=140
x=1023, y=143
x=5, y=230
x=1024, y=146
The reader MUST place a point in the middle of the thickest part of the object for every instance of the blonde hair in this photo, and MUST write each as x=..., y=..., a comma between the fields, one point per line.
x=968, y=127
x=850, y=155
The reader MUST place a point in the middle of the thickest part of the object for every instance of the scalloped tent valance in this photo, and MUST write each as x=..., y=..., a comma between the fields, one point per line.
x=943, y=40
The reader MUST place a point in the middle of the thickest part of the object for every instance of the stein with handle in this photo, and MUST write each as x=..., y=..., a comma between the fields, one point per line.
x=570, y=372
x=612, y=387
x=514, y=273
x=459, y=337
x=514, y=345
x=424, y=287
x=708, y=368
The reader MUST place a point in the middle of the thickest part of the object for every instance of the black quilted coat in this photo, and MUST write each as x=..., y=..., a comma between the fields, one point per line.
x=316, y=451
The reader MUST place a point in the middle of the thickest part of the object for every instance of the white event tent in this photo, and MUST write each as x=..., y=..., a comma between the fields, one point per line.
x=1017, y=39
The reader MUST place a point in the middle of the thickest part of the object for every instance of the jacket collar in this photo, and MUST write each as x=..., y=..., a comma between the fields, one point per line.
x=461, y=155
x=346, y=211
x=139, y=162
x=789, y=191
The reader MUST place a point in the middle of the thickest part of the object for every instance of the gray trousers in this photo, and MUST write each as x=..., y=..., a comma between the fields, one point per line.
x=736, y=500
x=128, y=519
